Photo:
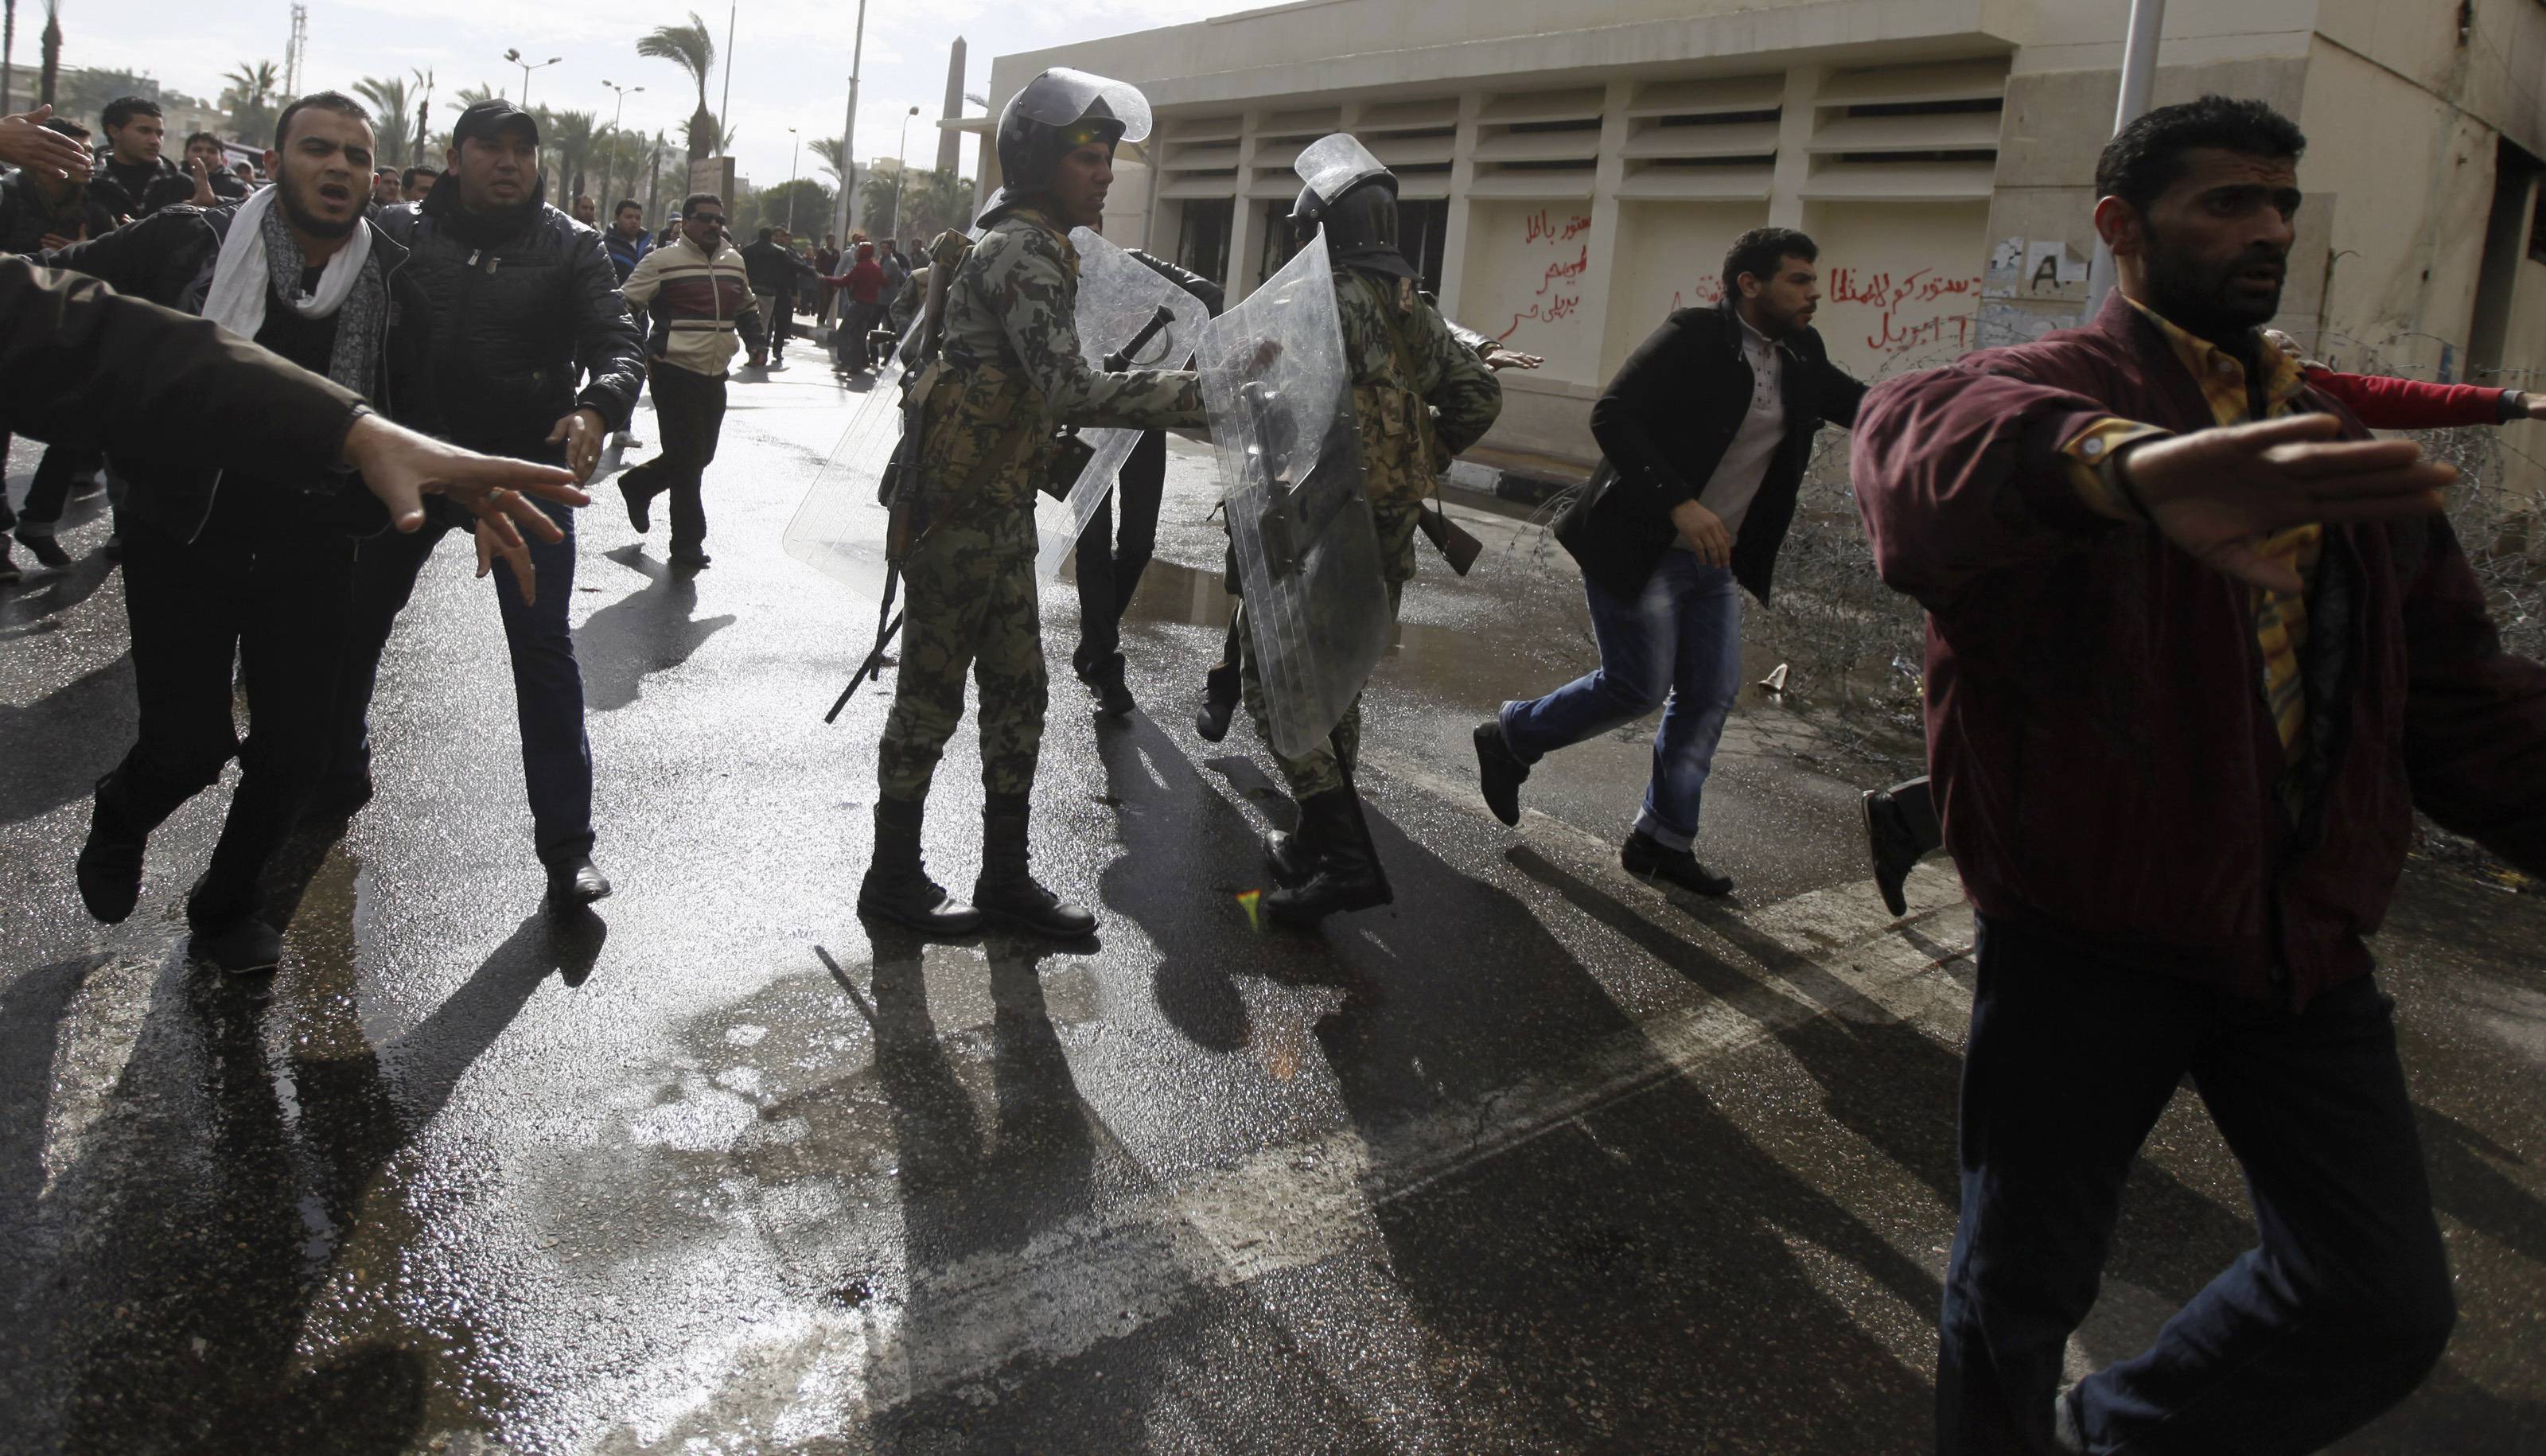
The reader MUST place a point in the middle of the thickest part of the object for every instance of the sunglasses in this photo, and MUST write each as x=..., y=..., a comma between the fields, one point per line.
x=703, y=218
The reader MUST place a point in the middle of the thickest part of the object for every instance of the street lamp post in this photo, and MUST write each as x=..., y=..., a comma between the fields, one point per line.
x=615, y=112
x=795, y=156
x=528, y=66
x=900, y=172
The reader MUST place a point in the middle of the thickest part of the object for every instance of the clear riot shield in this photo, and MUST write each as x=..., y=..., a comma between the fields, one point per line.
x=1118, y=299
x=1331, y=165
x=839, y=530
x=1280, y=393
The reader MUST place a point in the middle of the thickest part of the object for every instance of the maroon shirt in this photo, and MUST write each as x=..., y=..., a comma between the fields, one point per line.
x=2103, y=757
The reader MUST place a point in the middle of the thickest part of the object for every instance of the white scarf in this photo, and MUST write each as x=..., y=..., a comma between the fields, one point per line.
x=242, y=278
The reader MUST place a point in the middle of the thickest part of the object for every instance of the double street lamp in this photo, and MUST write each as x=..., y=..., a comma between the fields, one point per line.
x=795, y=156
x=901, y=170
x=528, y=66
x=615, y=112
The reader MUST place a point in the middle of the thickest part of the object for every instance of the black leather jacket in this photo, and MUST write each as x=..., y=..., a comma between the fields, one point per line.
x=518, y=325
x=168, y=258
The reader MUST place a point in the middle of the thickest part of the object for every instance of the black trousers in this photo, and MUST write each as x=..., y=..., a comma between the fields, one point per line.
x=269, y=590
x=2335, y=1314
x=1110, y=565
x=50, y=491
x=690, y=408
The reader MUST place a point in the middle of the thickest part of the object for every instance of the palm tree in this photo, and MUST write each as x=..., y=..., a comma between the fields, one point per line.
x=390, y=98
x=693, y=49
x=572, y=134
x=51, y=45
x=255, y=82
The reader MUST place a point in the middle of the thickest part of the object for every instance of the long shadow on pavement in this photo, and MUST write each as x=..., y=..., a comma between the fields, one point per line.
x=220, y=1191
x=647, y=630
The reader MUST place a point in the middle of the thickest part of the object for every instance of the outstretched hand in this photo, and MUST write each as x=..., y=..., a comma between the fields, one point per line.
x=2217, y=492
x=25, y=141
x=401, y=467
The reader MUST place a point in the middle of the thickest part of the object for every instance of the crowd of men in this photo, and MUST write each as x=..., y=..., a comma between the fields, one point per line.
x=2199, y=645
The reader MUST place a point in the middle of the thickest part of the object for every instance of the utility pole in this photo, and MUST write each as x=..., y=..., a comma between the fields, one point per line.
x=849, y=132
x=2139, y=77
x=795, y=154
x=294, y=50
x=900, y=172
x=724, y=107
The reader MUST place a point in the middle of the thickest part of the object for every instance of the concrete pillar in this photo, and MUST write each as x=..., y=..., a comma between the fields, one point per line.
x=1246, y=237
x=950, y=144
x=1794, y=135
x=1608, y=218
x=1462, y=182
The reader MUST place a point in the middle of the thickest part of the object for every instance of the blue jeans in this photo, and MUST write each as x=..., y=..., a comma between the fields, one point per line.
x=547, y=685
x=2335, y=1314
x=1679, y=644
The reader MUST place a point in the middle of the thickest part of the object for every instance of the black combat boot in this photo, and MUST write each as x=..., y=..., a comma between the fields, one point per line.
x=1296, y=855
x=1007, y=892
x=1219, y=704
x=897, y=888
x=1347, y=875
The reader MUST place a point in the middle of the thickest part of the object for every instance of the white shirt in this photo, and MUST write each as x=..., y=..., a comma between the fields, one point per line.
x=1737, y=479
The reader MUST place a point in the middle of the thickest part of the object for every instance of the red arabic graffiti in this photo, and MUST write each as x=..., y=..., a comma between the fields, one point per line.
x=1566, y=272
x=1892, y=332
x=1540, y=226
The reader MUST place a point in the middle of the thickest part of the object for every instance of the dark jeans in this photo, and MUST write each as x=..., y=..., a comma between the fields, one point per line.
x=50, y=491
x=547, y=686
x=1677, y=648
x=1110, y=566
x=690, y=408
x=267, y=591
x=2334, y=1316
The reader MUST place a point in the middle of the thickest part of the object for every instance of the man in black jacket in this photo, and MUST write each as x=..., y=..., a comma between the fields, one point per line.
x=221, y=568
x=775, y=270
x=131, y=162
x=204, y=181
x=1704, y=435
x=38, y=210
x=523, y=301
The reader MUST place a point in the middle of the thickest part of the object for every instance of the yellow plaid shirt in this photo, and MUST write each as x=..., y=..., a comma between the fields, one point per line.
x=2280, y=620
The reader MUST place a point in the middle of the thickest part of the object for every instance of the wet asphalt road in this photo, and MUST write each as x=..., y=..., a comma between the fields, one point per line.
x=1539, y=1158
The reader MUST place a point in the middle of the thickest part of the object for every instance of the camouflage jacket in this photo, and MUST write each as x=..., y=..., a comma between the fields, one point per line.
x=1011, y=374
x=1444, y=401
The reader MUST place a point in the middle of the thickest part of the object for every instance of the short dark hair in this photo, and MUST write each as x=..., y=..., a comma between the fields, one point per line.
x=334, y=101
x=1759, y=251
x=123, y=109
x=765, y=232
x=203, y=136
x=2145, y=157
x=407, y=178
x=692, y=203
x=68, y=128
x=623, y=204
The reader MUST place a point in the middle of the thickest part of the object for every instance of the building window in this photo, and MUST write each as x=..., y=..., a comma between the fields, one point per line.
x=1203, y=245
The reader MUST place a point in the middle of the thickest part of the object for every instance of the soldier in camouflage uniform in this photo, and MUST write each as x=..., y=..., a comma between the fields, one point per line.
x=1009, y=376
x=1420, y=395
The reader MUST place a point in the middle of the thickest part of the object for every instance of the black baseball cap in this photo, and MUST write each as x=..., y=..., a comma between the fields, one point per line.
x=487, y=119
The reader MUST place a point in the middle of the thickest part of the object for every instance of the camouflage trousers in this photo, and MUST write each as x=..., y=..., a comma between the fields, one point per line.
x=1331, y=763
x=972, y=604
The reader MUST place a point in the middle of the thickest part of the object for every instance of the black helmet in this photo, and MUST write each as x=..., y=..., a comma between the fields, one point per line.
x=1058, y=111
x=1351, y=198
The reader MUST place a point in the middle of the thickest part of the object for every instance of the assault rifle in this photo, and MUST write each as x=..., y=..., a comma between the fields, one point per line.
x=898, y=491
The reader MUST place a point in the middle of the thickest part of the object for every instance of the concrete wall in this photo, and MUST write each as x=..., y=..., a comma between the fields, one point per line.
x=1597, y=162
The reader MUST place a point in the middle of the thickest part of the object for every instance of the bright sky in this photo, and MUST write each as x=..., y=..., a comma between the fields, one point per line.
x=790, y=58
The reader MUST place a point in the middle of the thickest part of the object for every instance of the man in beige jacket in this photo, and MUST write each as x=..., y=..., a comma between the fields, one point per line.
x=701, y=296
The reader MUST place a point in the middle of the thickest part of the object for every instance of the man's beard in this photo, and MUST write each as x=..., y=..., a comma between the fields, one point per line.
x=2203, y=298
x=302, y=220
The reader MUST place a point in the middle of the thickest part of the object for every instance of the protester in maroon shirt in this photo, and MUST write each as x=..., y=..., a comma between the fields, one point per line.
x=2175, y=861
x=865, y=284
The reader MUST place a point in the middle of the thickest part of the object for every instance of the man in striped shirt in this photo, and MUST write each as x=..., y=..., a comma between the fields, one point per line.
x=701, y=294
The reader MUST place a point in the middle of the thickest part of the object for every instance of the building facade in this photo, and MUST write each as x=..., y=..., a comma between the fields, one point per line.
x=1570, y=174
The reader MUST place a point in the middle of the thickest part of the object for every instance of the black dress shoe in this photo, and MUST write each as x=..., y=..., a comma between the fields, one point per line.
x=690, y=561
x=1105, y=677
x=339, y=797
x=1894, y=846
x=1647, y=858
x=246, y=946
x=1221, y=691
x=1500, y=771
x=636, y=514
x=110, y=865
x=46, y=550
x=577, y=882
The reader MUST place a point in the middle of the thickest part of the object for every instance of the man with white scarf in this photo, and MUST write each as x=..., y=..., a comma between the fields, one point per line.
x=218, y=564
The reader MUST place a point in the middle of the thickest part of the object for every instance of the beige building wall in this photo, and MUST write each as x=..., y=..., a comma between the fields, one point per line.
x=1594, y=163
